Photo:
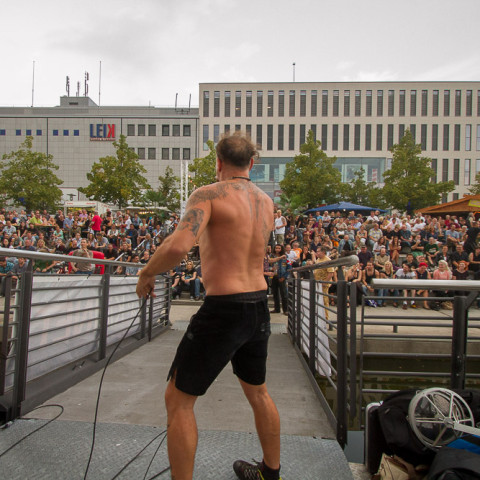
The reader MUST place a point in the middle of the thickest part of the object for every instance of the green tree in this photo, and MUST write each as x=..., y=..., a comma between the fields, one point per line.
x=167, y=194
x=408, y=183
x=205, y=168
x=311, y=178
x=475, y=188
x=117, y=179
x=27, y=177
x=360, y=192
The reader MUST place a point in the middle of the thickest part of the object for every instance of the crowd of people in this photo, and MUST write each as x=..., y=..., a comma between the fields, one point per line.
x=387, y=246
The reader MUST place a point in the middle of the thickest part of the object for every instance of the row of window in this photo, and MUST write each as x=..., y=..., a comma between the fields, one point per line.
x=285, y=136
x=446, y=168
x=413, y=103
x=140, y=130
x=39, y=133
x=151, y=153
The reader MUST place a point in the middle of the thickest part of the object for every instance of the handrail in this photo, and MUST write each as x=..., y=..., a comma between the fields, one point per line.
x=338, y=262
x=468, y=285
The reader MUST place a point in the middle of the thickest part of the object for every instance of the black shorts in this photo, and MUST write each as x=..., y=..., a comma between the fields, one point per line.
x=226, y=328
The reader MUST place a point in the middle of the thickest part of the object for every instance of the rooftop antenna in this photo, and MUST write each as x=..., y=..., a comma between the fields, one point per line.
x=293, y=71
x=78, y=89
x=100, y=83
x=87, y=78
x=176, y=97
x=33, y=82
x=68, y=86
x=189, y=101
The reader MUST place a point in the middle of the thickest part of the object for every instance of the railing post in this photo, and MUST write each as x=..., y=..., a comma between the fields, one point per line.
x=342, y=377
x=5, y=335
x=143, y=317
x=459, y=342
x=298, y=324
x=352, y=288
x=292, y=289
x=150, y=317
x=102, y=341
x=312, y=336
x=21, y=348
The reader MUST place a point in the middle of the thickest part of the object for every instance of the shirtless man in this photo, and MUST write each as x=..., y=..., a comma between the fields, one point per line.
x=233, y=324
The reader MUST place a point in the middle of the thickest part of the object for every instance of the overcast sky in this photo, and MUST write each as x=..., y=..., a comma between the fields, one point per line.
x=152, y=49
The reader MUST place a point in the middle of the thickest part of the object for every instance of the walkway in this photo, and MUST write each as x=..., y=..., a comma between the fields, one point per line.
x=132, y=413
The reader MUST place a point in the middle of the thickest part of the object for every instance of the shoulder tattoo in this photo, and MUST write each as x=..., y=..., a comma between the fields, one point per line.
x=217, y=190
x=192, y=220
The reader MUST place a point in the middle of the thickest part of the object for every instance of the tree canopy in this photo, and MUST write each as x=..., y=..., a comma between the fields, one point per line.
x=27, y=178
x=409, y=182
x=311, y=178
x=117, y=179
x=205, y=168
x=360, y=192
x=475, y=188
x=167, y=194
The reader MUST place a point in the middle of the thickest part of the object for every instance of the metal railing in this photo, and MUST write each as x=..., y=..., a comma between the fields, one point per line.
x=58, y=329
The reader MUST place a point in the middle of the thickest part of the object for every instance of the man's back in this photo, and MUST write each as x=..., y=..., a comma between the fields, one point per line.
x=233, y=244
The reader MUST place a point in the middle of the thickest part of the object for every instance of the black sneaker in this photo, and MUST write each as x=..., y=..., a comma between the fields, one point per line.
x=248, y=471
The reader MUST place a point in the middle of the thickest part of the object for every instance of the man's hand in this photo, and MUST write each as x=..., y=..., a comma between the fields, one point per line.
x=145, y=286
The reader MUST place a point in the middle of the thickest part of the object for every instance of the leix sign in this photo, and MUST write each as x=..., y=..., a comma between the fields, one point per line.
x=102, y=131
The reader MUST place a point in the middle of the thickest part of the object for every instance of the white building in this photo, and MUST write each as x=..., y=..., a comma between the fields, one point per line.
x=357, y=122
x=78, y=132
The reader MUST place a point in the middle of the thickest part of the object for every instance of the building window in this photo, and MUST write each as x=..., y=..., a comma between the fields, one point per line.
x=335, y=137
x=335, y=102
x=468, y=104
x=76, y=133
x=346, y=137
x=175, y=154
x=466, y=172
x=401, y=132
x=368, y=137
x=141, y=153
x=434, y=138
x=281, y=103
x=226, y=129
x=478, y=103
x=152, y=153
x=302, y=134
x=216, y=104
x=206, y=104
x=248, y=105
x=445, y=170
x=130, y=130
x=446, y=103
x=413, y=131
x=413, y=103
x=248, y=131
x=368, y=103
x=270, y=103
x=313, y=104
x=28, y=133
x=456, y=138
x=324, y=103
x=141, y=130
x=390, y=137
x=424, y=103
x=458, y=103
x=205, y=137
x=227, y=103
x=391, y=103
x=478, y=138
x=165, y=130
x=434, y=168
x=291, y=104
x=379, y=145
x=259, y=103
x=291, y=137
x=313, y=128
x=435, y=103
x=356, y=137
x=303, y=103
x=2, y=132
x=379, y=103
x=165, y=154
x=55, y=133
x=477, y=167
x=66, y=133
x=446, y=137
x=423, y=136
x=152, y=130
x=186, y=154
x=216, y=133
x=401, y=106
x=346, y=103
x=269, y=137
x=187, y=130
x=358, y=103
x=259, y=137
x=175, y=130
x=280, y=137
x=456, y=171
x=18, y=133
x=238, y=127
x=468, y=138
x=238, y=103
x=324, y=137
x=455, y=196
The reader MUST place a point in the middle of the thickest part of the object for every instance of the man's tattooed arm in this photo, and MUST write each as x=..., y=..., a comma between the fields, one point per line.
x=192, y=220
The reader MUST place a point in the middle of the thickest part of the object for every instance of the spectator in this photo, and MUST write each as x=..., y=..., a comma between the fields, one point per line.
x=345, y=246
x=82, y=267
x=280, y=224
x=442, y=273
x=5, y=268
x=364, y=256
x=431, y=251
x=423, y=274
x=458, y=255
x=134, y=269
x=132, y=234
x=471, y=238
x=474, y=263
x=368, y=274
x=111, y=253
x=405, y=273
x=381, y=259
x=96, y=223
x=279, y=279
x=323, y=275
x=394, y=249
